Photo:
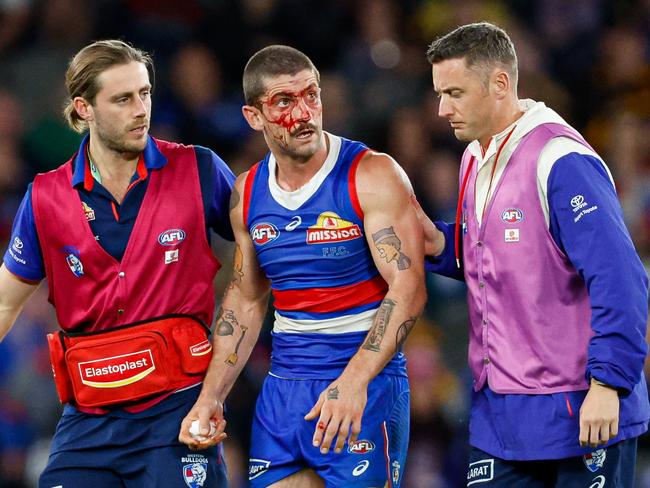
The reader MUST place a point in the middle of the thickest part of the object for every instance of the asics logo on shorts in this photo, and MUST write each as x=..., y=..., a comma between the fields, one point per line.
x=361, y=468
x=598, y=482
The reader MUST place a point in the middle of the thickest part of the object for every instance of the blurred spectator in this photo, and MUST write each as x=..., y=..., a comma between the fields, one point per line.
x=588, y=59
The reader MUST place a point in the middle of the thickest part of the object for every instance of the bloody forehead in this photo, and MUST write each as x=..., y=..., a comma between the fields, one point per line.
x=290, y=85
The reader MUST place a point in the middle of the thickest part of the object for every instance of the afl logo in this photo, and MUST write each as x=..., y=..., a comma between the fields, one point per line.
x=171, y=237
x=361, y=447
x=512, y=215
x=264, y=233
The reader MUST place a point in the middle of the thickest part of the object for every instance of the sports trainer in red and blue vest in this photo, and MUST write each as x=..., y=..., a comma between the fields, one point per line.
x=122, y=234
x=327, y=225
x=557, y=295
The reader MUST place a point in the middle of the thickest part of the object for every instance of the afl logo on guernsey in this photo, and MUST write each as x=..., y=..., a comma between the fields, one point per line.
x=512, y=215
x=264, y=233
x=330, y=227
x=171, y=237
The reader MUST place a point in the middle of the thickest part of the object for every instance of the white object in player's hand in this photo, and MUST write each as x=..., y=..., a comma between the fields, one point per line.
x=195, y=430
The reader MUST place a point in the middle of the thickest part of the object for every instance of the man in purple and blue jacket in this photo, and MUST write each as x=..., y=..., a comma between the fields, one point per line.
x=557, y=295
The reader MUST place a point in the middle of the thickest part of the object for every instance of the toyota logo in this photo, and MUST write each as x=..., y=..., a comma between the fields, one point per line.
x=577, y=201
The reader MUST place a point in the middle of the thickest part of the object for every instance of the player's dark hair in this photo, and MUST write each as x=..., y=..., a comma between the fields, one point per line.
x=273, y=61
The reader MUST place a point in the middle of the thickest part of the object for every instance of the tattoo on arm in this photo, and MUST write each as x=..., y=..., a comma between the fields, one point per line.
x=390, y=247
x=237, y=267
x=333, y=393
x=234, y=198
x=227, y=323
x=233, y=358
x=403, y=331
x=378, y=329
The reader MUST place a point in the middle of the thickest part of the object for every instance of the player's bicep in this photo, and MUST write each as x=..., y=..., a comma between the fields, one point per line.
x=390, y=223
x=247, y=275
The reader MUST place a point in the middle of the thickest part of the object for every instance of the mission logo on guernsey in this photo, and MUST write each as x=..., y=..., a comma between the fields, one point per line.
x=117, y=371
x=330, y=227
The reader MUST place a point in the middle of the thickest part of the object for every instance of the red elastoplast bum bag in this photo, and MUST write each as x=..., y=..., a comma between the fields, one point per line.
x=130, y=362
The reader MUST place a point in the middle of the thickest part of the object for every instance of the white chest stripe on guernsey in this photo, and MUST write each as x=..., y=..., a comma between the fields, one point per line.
x=293, y=200
x=358, y=322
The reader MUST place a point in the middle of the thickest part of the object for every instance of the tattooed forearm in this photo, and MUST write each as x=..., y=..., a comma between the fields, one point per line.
x=227, y=323
x=333, y=393
x=232, y=359
x=234, y=198
x=389, y=247
x=237, y=266
x=403, y=331
x=378, y=329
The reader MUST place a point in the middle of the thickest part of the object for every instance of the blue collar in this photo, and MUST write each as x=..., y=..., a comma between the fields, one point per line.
x=153, y=159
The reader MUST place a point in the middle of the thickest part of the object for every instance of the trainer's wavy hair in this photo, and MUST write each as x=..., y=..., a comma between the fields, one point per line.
x=81, y=78
x=272, y=61
x=483, y=45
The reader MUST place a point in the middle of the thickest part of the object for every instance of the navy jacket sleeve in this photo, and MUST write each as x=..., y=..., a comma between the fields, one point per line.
x=586, y=221
x=445, y=263
x=217, y=181
x=23, y=256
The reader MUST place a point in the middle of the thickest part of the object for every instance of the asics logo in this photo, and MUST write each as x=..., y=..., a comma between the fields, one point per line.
x=295, y=222
x=598, y=482
x=361, y=468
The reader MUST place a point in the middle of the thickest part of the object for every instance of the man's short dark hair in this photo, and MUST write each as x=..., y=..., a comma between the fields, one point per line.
x=483, y=45
x=273, y=61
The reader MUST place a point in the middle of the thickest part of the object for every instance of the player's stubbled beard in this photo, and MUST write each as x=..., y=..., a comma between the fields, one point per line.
x=227, y=322
x=378, y=329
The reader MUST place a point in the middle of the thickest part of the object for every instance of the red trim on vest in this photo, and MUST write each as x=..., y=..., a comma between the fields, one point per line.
x=248, y=186
x=324, y=300
x=352, y=184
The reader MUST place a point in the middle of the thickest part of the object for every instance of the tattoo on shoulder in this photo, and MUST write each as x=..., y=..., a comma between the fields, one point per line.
x=227, y=323
x=234, y=198
x=378, y=329
x=333, y=393
x=390, y=247
x=403, y=331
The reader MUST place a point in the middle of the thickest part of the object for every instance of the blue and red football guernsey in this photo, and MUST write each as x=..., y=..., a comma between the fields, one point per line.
x=312, y=246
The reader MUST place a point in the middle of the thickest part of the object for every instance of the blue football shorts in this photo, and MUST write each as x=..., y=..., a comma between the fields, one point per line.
x=122, y=450
x=281, y=440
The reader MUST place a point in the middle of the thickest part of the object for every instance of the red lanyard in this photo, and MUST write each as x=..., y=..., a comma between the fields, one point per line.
x=461, y=196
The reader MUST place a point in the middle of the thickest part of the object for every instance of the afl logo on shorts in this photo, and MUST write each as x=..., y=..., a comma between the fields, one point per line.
x=264, y=233
x=512, y=215
x=171, y=237
x=361, y=447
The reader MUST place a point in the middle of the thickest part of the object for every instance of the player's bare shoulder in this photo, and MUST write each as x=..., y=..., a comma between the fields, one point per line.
x=236, y=197
x=379, y=172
